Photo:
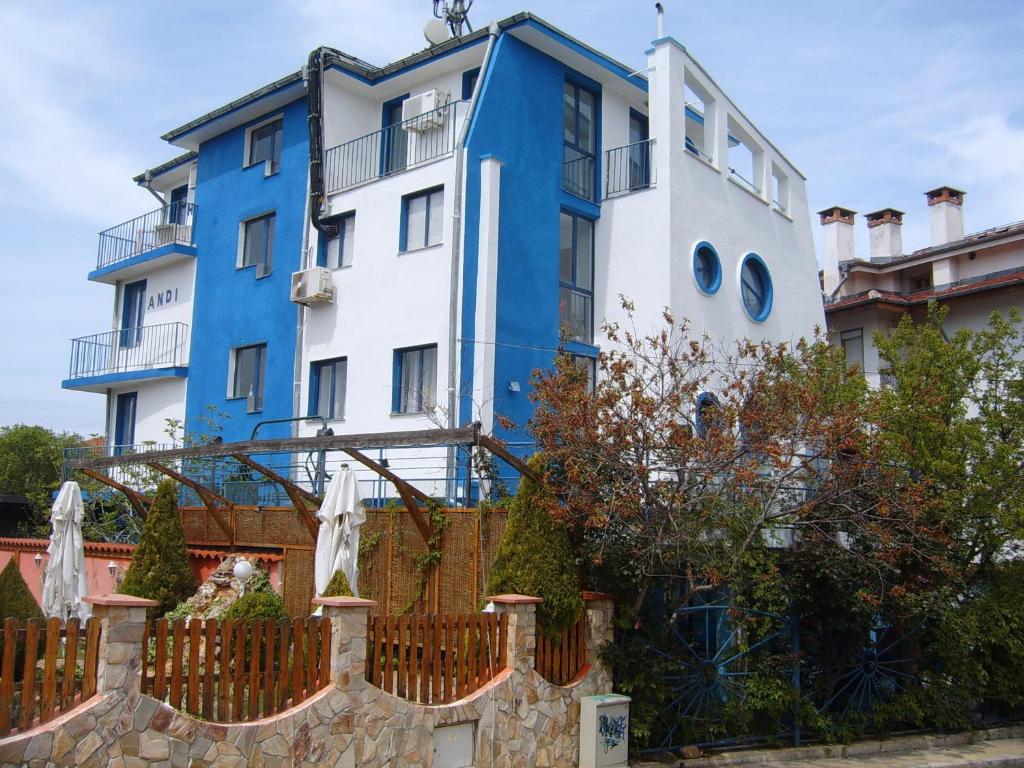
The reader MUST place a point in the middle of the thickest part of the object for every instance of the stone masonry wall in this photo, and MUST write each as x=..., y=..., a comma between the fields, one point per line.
x=519, y=718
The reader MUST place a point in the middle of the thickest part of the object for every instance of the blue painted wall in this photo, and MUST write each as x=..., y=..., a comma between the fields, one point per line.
x=232, y=307
x=519, y=121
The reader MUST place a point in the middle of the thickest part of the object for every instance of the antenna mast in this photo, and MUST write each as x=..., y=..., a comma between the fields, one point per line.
x=454, y=14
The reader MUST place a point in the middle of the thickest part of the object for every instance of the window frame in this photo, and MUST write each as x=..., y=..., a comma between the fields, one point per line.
x=470, y=78
x=403, y=235
x=590, y=364
x=265, y=268
x=272, y=165
x=851, y=334
x=399, y=396
x=346, y=245
x=573, y=285
x=259, y=376
x=574, y=146
x=122, y=424
x=710, y=288
x=316, y=378
x=759, y=265
x=132, y=327
x=704, y=400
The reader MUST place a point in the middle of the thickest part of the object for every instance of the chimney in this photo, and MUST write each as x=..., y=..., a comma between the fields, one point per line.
x=884, y=229
x=837, y=234
x=947, y=206
x=661, y=20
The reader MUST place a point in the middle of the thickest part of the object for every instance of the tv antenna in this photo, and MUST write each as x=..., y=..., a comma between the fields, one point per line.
x=453, y=15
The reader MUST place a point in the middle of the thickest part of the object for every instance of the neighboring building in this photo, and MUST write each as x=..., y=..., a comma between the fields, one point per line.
x=485, y=202
x=972, y=275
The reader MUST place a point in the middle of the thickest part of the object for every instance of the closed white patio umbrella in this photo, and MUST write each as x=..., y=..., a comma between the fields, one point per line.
x=337, y=542
x=64, y=583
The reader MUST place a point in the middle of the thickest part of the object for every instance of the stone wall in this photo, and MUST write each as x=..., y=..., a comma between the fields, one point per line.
x=518, y=718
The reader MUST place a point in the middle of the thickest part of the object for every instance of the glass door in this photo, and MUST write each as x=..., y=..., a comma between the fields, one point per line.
x=133, y=311
x=639, y=151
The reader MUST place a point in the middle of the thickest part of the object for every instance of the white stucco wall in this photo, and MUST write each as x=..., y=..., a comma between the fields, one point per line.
x=157, y=401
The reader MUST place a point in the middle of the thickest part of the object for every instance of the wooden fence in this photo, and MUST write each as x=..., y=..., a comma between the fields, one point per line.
x=434, y=658
x=45, y=669
x=561, y=658
x=234, y=671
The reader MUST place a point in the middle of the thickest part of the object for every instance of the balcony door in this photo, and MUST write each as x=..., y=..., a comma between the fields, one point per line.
x=394, y=138
x=133, y=311
x=176, y=211
x=639, y=151
x=124, y=422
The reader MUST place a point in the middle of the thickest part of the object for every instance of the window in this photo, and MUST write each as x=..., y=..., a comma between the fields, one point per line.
x=707, y=268
x=338, y=251
x=415, y=379
x=756, y=288
x=421, y=219
x=639, y=151
x=706, y=413
x=177, y=209
x=258, y=244
x=395, y=139
x=589, y=366
x=469, y=83
x=578, y=133
x=133, y=312
x=576, y=278
x=265, y=145
x=329, y=380
x=852, y=342
x=249, y=367
x=124, y=422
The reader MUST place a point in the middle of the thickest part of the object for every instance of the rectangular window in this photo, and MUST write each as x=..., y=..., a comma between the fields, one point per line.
x=576, y=278
x=415, y=379
x=133, y=313
x=422, y=219
x=338, y=251
x=258, y=244
x=579, y=108
x=265, y=145
x=469, y=83
x=249, y=366
x=589, y=366
x=853, y=347
x=329, y=380
x=124, y=422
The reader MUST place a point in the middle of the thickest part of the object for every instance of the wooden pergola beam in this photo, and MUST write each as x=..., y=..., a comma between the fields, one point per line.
x=138, y=501
x=408, y=493
x=499, y=450
x=299, y=496
x=210, y=498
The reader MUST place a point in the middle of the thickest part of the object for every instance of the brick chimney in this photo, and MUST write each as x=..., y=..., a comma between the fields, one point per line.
x=837, y=235
x=885, y=228
x=947, y=206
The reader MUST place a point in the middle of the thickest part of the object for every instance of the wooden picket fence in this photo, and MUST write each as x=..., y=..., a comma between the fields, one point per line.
x=235, y=671
x=435, y=658
x=561, y=659
x=45, y=669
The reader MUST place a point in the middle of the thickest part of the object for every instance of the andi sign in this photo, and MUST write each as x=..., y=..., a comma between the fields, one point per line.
x=163, y=298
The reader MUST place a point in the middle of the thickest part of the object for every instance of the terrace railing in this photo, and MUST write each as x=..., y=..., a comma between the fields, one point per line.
x=630, y=168
x=171, y=224
x=578, y=174
x=391, y=150
x=129, y=349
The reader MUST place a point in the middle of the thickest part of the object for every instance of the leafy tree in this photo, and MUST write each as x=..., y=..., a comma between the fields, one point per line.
x=536, y=557
x=30, y=462
x=160, y=570
x=16, y=601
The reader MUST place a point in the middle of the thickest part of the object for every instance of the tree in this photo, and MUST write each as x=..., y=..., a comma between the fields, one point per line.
x=338, y=586
x=16, y=601
x=30, y=463
x=160, y=569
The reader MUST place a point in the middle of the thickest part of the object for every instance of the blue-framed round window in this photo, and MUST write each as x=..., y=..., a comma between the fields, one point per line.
x=705, y=413
x=756, y=287
x=707, y=267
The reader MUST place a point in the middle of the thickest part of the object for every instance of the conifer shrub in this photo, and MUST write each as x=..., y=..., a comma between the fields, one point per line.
x=535, y=557
x=338, y=586
x=160, y=570
x=16, y=601
x=257, y=605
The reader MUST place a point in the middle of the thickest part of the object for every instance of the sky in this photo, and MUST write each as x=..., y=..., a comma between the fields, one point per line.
x=876, y=102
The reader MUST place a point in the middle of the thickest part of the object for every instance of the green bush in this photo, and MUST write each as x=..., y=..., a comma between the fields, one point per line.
x=16, y=602
x=160, y=570
x=338, y=586
x=257, y=605
x=535, y=557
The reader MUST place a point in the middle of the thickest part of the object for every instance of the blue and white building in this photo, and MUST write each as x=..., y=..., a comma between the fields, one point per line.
x=472, y=210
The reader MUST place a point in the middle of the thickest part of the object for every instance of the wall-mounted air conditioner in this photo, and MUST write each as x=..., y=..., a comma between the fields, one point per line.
x=311, y=286
x=424, y=111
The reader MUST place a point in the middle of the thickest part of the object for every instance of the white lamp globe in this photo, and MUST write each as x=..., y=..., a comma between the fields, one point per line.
x=243, y=570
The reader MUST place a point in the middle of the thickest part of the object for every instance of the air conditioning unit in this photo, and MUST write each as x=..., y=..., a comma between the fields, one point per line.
x=311, y=286
x=424, y=111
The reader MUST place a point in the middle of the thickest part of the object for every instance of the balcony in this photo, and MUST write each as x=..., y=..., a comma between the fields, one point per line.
x=130, y=354
x=166, y=234
x=630, y=168
x=396, y=148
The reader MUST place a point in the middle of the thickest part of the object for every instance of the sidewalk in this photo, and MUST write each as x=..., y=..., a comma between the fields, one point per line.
x=996, y=748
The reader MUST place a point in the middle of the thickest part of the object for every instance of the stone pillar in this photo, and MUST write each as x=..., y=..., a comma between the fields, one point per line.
x=122, y=622
x=522, y=628
x=600, y=610
x=348, y=639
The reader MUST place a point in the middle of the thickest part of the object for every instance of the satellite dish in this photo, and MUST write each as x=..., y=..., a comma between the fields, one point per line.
x=436, y=31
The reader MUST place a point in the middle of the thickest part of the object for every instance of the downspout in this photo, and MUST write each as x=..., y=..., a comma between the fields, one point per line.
x=457, y=208
x=147, y=184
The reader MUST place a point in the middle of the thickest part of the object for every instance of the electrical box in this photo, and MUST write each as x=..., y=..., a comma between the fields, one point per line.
x=310, y=286
x=453, y=746
x=604, y=731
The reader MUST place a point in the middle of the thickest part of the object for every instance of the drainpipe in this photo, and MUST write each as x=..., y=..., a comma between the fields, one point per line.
x=457, y=207
x=147, y=184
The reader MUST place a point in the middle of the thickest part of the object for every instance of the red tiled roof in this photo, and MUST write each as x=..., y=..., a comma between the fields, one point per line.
x=126, y=550
x=923, y=297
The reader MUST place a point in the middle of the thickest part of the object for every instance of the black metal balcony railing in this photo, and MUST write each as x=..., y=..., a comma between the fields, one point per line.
x=391, y=150
x=129, y=349
x=578, y=174
x=164, y=226
x=630, y=168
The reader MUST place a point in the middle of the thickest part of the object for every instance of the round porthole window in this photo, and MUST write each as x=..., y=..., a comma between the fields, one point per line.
x=707, y=268
x=756, y=287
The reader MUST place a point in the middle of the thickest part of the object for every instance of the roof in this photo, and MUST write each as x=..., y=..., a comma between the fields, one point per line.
x=112, y=549
x=1005, y=279
x=170, y=165
x=983, y=237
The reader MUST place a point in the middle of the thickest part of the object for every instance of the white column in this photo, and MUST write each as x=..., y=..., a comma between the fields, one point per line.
x=487, y=291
